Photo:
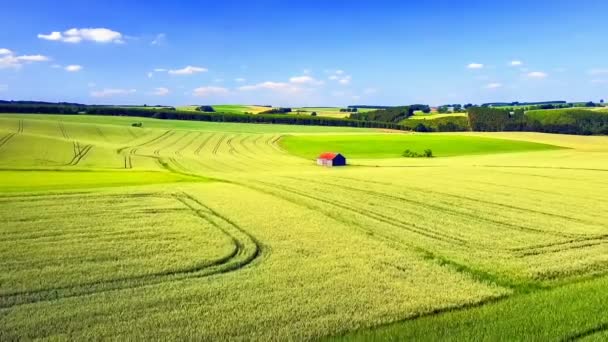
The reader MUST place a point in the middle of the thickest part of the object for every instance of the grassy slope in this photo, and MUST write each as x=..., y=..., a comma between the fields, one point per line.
x=565, y=313
x=343, y=249
x=38, y=180
x=392, y=146
x=183, y=124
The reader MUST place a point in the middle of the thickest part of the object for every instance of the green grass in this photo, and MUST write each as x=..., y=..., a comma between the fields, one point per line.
x=210, y=231
x=36, y=180
x=392, y=146
x=563, y=313
x=178, y=124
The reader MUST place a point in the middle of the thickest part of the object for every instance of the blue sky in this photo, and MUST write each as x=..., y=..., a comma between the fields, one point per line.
x=311, y=53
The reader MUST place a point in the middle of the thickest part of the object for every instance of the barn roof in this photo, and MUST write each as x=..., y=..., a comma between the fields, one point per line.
x=328, y=155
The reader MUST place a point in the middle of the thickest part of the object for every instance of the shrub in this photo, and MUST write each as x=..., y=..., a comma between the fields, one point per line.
x=428, y=153
x=137, y=124
x=206, y=109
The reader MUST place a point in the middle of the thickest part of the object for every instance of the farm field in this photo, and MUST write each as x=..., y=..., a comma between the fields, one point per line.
x=216, y=231
x=393, y=145
x=232, y=109
x=328, y=111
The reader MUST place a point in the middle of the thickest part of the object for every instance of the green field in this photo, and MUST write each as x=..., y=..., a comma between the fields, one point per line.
x=231, y=109
x=393, y=145
x=332, y=112
x=184, y=230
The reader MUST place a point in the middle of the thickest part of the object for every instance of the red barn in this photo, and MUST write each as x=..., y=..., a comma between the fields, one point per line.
x=331, y=159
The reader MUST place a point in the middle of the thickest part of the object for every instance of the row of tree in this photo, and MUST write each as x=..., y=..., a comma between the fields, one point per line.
x=279, y=110
x=565, y=121
x=160, y=113
x=391, y=114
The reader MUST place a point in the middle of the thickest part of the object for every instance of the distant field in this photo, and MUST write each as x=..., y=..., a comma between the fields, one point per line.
x=235, y=109
x=184, y=230
x=125, y=122
x=329, y=111
x=392, y=146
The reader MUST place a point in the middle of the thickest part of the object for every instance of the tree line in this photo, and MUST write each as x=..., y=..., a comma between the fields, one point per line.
x=565, y=121
x=160, y=113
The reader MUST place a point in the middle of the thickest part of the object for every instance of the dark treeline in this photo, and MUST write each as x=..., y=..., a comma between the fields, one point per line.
x=279, y=110
x=565, y=121
x=41, y=103
x=421, y=107
x=390, y=114
x=516, y=103
x=160, y=113
x=369, y=106
x=446, y=124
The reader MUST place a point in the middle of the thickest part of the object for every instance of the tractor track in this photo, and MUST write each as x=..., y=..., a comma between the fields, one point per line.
x=247, y=249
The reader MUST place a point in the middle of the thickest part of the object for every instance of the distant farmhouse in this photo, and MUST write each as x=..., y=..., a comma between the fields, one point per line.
x=331, y=159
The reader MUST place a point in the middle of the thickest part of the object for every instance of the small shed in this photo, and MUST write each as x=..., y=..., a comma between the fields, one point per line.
x=331, y=159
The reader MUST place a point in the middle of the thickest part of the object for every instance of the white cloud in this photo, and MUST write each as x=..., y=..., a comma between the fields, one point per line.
x=56, y=66
x=599, y=81
x=189, y=70
x=51, y=36
x=339, y=76
x=370, y=91
x=598, y=72
x=3, y=87
x=305, y=80
x=9, y=60
x=267, y=85
x=150, y=74
x=160, y=91
x=32, y=58
x=160, y=70
x=356, y=97
x=109, y=92
x=73, y=68
x=240, y=80
x=516, y=63
x=493, y=85
x=306, y=71
x=218, y=80
x=77, y=35
x=160, y=39
x=345, y=80
x=475, y=66
x=91, y=85
x=537, y=74
x=5, y=52
x=209, y=91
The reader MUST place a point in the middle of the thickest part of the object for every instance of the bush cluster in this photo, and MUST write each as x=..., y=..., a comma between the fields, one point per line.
x=428, y=153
